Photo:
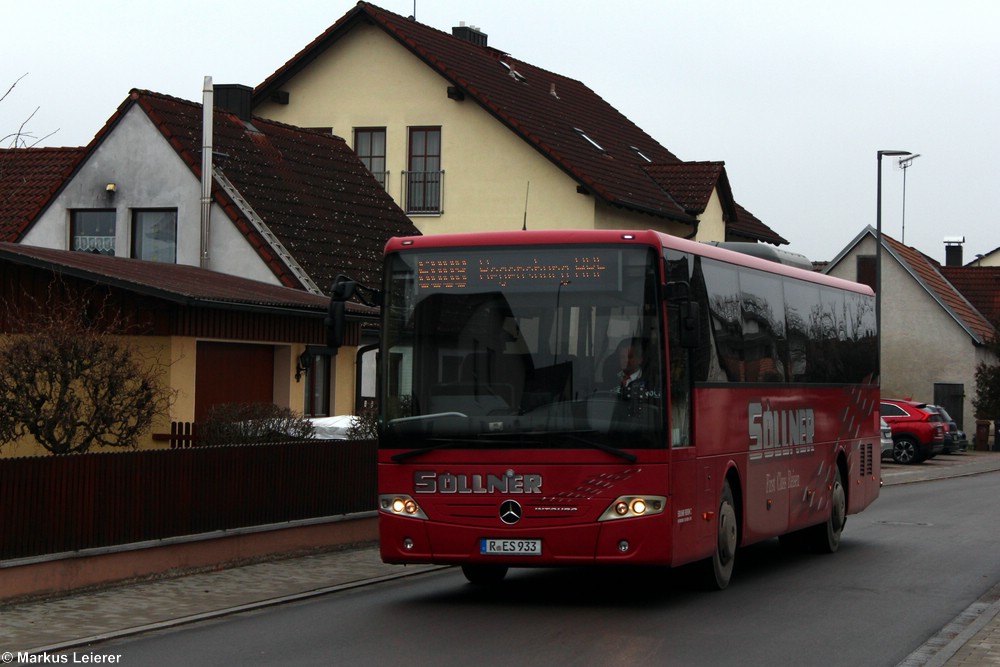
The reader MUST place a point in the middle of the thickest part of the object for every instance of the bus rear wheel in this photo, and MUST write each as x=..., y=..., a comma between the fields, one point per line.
x=484, y=575
x=720, y=565
x=825, y=538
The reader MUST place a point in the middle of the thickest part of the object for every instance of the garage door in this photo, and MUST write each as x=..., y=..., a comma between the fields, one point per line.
x=232, y=373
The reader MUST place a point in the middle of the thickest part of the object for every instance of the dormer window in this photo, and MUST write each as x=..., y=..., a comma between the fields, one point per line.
x=589, y=140
x=641, y=154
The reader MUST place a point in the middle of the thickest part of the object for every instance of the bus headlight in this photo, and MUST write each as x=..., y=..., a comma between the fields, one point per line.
x=626, y=507
x=400, y=505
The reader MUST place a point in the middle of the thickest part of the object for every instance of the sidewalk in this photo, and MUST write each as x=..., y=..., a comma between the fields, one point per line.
x=70, y=621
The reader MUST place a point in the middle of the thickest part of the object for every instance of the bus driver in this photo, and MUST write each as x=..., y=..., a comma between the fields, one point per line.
x=634, y=384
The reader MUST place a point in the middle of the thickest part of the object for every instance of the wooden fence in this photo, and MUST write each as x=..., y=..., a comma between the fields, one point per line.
x=57, y=504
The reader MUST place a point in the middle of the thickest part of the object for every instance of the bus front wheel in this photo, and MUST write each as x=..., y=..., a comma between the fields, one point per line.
x=484, y=575
x=722, y=560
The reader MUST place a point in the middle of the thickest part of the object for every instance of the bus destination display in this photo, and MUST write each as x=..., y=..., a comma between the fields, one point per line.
x=476, y=272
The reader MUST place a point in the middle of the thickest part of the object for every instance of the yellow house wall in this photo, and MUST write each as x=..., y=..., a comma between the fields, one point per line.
x=613, y=217
x=991, y=258
x=181, y=377
x=368, y=80
x=343, y=382
x=711, y=225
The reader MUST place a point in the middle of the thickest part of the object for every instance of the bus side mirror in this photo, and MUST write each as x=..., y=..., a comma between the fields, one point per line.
x=334, y=322
x=690, y=324
x=342, y=290
x=678, y=294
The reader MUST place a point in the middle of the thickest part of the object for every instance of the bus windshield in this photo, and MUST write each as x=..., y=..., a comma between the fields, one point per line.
x=540, y=347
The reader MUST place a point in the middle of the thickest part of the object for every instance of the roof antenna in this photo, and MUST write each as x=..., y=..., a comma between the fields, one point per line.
x=524, y=226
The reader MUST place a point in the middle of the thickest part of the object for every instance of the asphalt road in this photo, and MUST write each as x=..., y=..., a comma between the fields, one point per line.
x=907, y=566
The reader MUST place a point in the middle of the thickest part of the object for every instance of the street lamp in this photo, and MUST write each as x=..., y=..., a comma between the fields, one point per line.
x=878, y=256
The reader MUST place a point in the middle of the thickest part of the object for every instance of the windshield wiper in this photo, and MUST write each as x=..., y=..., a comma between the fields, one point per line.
x=596, y=444
x=402, y=456
x=614, y=451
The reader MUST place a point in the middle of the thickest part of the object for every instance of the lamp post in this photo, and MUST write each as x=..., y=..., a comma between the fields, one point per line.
x=878, y=255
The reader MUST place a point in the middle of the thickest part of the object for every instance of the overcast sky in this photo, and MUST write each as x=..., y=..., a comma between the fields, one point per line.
x=796, y=97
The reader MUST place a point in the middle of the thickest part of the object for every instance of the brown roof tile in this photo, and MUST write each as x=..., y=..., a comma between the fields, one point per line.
x=691, y=184
x=175, y=282
x=980, y=285
x=28, y=179
x=748, y=226
x=929, y=273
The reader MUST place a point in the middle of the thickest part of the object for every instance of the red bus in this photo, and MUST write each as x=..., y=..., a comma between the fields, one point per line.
x=607, y=397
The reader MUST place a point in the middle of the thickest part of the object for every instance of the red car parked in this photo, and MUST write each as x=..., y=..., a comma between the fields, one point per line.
x=917, y=432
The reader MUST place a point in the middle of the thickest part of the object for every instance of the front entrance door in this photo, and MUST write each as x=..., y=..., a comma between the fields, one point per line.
x=951, y=397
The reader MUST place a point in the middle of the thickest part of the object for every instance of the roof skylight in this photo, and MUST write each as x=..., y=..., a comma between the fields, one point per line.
x=589, y=140
x=641, y=154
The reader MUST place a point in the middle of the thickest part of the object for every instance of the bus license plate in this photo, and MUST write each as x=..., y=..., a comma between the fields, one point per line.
x=498, y=547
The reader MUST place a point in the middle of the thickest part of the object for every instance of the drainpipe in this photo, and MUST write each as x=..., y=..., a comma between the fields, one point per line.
x=694, y=230
x=208, y=106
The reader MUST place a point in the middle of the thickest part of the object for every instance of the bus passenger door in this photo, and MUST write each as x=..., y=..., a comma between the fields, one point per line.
x=686, y=487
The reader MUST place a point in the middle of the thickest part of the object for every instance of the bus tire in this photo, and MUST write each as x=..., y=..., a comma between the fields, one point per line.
x=720, y=565
x=825, y=538
x=484, y=575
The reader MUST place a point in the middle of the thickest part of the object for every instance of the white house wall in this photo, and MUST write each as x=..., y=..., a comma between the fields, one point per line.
x=147, y=173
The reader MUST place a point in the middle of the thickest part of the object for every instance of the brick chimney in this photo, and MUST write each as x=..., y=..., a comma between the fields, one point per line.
x=469, y=33
x=234, y=98
x=953, y=250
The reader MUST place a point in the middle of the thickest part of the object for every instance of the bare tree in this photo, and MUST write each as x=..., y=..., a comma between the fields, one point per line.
x=73, y=382
x=22, y=138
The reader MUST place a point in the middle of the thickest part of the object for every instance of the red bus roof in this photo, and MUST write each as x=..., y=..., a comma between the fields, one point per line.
x=612, y=237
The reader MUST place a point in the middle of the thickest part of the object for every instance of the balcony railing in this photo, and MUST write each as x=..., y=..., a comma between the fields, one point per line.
x=423, y=192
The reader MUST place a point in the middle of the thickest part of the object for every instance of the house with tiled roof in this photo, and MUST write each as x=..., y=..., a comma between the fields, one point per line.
x=289, y=206
x=467, y=137
x=285, y=208
x=933, y=334
x=207, y=332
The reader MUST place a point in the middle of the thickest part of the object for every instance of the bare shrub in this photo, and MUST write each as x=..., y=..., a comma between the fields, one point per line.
x=249, y=423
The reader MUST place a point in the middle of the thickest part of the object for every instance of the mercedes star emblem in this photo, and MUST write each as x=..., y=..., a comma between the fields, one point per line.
x=510, y=511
